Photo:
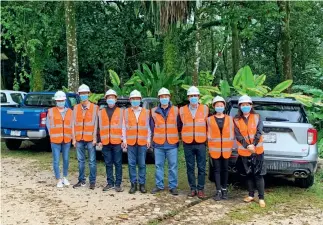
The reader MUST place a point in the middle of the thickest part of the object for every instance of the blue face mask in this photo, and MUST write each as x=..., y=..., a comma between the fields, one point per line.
x=164, y=101
x=135, y=103
x=60, y=104
x=219, y=109
x=246, y=109
x=194, y=100
x=111, y=101
x=84, y=97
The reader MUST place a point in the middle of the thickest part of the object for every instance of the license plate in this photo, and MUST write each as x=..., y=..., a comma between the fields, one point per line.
x=15, y=133
x=269, y=138
x=278, y=165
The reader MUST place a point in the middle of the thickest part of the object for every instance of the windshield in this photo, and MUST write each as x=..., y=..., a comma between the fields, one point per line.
x=44, y=100
x=277, y=113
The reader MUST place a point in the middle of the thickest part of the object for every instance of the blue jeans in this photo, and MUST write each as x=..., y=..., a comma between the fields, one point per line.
x=137, y=154
x=113, y=156
x=198, y=152
x=171, y=156
x=80, y=150
x=56, y=150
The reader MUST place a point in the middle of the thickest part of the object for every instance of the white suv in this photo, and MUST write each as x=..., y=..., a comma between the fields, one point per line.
x=11, y=97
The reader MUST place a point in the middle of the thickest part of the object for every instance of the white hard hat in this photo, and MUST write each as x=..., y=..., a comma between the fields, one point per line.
x=218, y=99
x=134, y=94
x=193, y=91
x=59, y=95
x=244, y=99
x=163, y=91
x=83, y=88
x=110, y=92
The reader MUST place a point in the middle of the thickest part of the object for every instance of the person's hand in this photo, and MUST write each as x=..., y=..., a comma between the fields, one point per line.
x=74, y=143
x=124, y=145
x=100, y=145
x=148, y=144
x=251, y=148
x=94, y=143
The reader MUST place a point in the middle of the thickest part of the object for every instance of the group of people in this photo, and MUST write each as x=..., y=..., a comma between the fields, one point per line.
x=136, y=129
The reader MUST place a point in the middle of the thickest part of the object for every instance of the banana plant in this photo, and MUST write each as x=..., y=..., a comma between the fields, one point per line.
x=116, y=84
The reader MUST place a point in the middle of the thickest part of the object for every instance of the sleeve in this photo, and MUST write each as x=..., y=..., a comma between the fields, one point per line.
x=179, y=123
x=98, y=131
x=149, y=130
x=239, y=136
x=151, y=125
x=260, y=127
x=124, y=134
x=48, y=123
x=95, y=124
x=73, y=123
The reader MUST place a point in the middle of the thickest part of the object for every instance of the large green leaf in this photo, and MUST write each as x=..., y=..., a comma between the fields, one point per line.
x=114, y=78
x=237, y=78
x=206, y=99
x=283, y=86
x=225, y=88
x=259, y=80
x=248, y=80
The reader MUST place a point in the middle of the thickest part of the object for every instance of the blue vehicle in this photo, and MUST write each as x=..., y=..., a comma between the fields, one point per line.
x=28, y=120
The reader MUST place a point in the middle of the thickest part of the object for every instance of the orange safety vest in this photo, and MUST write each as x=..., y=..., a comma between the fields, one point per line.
x=194, y=129
x=84, y=125
x=137, y=132
x=60, y=129
x=220, y=145
x=165, y=130
x=111, y=131
x=248, y=131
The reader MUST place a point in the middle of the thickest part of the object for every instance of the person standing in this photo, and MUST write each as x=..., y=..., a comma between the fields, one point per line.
x=137, y=140
x=220, y=143
x=165, y=126
x=111, y=123
x=193, y=117
x=85, y=135
x=248, y=131
x=59, y=126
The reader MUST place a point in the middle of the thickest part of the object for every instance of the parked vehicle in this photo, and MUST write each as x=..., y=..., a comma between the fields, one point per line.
x=11, y=98
x=290, y=141
x=28, y=120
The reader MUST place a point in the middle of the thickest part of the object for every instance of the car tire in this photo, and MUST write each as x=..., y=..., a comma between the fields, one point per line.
x=305, y=182
x=13, y=144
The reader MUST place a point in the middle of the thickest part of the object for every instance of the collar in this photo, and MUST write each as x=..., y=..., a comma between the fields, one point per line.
x=136, y=110
x=87, y=106
x=193, y=107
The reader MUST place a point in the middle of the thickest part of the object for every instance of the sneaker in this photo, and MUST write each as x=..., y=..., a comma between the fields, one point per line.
x=217, y=196
x=156, y=190
x=192, y=194
x=262, y=203
x=66, y=182
x=119, y=189
x=224, y=194
x=174, y=191
x=79, y=184
x=108, y=187
x=92, y=186
x=201, y=195
x=248, y=199
x=60, y=183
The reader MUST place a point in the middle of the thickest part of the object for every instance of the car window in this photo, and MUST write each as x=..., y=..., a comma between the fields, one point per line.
x=3, y=98
x=16, y=97
x=150, y=104
x=45, y=100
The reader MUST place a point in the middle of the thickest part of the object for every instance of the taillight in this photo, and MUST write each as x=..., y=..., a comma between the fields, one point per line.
x=42, y=119
x=311, y=136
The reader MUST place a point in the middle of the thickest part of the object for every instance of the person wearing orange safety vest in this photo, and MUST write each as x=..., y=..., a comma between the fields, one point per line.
x=248, y=131
x=137, y=140
x=220, y=143
x=165, y=127
x=193, y=117
x=85, y=135
x=59, y=126
x=111, y=126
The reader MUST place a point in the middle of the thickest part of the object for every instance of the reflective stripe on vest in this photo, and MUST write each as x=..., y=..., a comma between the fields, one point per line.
x=60, y=129
x=165, y=129
x=111, y=132
x=194, y=129
x=220, y=145
x=84, y=126
x=137, y=132
x=248, y=131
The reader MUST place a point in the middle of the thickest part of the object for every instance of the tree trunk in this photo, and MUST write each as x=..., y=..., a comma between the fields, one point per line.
x=284, y=7
x=212, y=49
x=71, y=41
x=235, y=48
x=197, y=20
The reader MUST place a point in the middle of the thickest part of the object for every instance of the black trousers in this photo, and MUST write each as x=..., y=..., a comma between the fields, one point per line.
x=221, y=173
x=256, y=181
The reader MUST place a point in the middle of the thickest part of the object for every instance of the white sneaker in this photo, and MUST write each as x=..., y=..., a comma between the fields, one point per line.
x=60, y=184
x=66, y=182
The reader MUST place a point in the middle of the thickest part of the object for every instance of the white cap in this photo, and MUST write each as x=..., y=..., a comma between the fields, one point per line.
x=83, y=88
x=110, y=92
x=163, y=91
x=59, y=95
x=193, y=91
x=244, y=99
x=218, y=99
x=134, y=94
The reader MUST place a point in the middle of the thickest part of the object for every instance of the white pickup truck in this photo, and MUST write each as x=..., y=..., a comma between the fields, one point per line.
x=11, y=98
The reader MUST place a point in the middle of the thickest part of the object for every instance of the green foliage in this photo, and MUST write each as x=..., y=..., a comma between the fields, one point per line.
x=205, y=78
x=94, y=98
x=116, y=84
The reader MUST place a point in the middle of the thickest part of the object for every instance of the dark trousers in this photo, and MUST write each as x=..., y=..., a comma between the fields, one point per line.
x=113, y=156
x=221, y=173
x=258, y=182
x=198, y=152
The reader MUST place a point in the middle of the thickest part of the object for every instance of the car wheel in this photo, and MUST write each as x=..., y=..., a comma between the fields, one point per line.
x=13, y=144
x=305, y=182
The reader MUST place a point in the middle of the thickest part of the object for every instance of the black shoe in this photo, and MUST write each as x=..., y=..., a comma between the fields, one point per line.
x=133, y=188
x=79, y=184
x=92, y=186
x=156, y=190
x=118, y=189
x=108, y=187
x=142, y=188
x=224, y=194
x=218, y=196
x=174, y=191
